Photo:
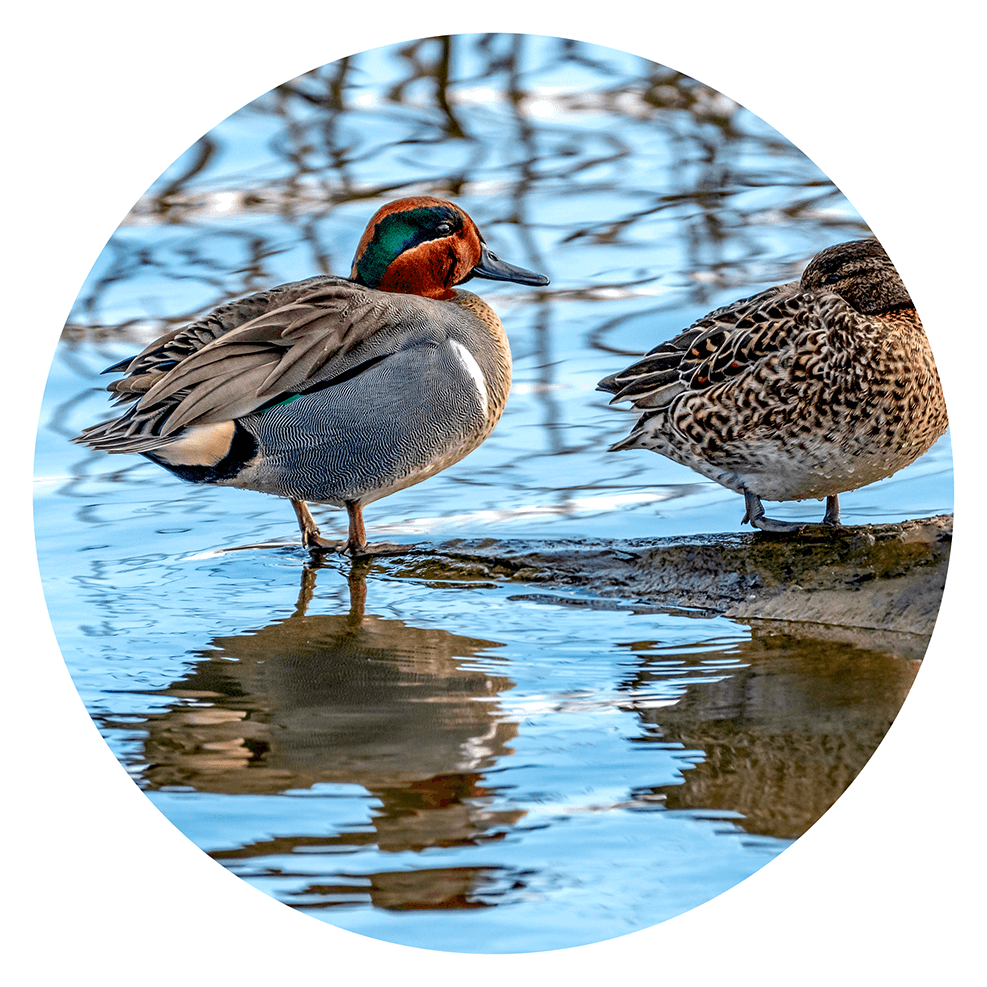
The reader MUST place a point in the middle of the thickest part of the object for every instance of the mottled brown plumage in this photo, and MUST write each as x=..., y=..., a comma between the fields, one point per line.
x=806, y=390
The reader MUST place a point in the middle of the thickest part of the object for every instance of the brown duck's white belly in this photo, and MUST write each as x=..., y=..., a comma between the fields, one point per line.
x=797, y=455
x=782, y=472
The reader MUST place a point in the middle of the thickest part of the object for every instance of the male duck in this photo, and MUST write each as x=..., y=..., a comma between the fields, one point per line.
x=332, y=390
x=805, y=390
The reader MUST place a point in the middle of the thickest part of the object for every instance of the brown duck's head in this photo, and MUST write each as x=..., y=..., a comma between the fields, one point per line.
x=861, y=273
x=425, y=246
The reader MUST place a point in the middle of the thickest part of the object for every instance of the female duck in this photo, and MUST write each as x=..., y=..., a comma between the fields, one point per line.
x=332, y=390
x=805, y=390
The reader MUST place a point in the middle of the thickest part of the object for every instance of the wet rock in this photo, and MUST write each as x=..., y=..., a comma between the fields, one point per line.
x=884, y=577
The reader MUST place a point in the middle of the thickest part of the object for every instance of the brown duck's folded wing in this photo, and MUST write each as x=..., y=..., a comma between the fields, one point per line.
x=214, y=371
x=714, y=348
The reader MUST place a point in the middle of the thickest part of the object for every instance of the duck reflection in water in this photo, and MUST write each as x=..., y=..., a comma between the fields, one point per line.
x=347, y=698
x=769, y=730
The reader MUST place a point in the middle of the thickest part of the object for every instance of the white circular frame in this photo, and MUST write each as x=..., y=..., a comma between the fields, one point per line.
x=553, y=966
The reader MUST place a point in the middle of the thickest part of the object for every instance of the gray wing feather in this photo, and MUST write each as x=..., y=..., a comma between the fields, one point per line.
x=249, y=354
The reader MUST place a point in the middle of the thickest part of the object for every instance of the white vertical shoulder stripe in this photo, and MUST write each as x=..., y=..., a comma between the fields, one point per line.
x=473, y=369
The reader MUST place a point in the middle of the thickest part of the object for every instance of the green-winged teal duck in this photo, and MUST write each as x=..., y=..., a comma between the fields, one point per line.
x=331, y=390
x=805, y=390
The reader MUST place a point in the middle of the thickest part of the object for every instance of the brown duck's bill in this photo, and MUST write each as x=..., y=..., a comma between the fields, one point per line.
x=492, y=267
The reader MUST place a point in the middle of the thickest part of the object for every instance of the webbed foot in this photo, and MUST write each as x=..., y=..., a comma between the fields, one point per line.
x=755, y=516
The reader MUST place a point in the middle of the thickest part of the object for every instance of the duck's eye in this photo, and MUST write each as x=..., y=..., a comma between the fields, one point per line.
x=832, y=278
x=445, y=228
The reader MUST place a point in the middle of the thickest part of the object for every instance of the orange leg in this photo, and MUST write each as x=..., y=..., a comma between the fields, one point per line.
x=357, y=543
x=311, y=538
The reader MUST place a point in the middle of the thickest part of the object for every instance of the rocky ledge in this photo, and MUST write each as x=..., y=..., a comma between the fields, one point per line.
x=886, y=577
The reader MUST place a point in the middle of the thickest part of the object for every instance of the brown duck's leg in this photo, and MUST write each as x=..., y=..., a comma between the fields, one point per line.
x=832, y=515
x=311, y=538
x=755, y=516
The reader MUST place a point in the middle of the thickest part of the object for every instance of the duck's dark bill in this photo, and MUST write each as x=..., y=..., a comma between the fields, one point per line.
x=492, y=267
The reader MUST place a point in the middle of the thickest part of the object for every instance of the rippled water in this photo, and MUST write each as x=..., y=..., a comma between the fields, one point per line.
x=463, y=764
